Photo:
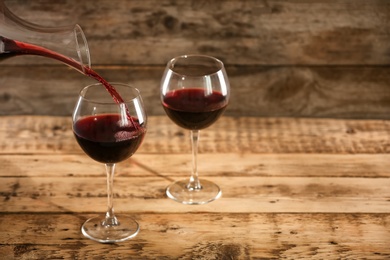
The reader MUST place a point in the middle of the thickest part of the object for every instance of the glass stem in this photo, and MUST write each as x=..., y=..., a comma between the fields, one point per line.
x=194, y=183
x=110, y=219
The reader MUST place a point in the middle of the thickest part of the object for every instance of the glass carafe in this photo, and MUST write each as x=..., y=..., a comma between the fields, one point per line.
x=19, y=37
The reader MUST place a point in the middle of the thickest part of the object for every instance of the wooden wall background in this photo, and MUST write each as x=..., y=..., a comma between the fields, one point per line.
x=320, y=58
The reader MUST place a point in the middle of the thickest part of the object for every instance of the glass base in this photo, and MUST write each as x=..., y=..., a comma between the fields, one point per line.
x=179, y=192
x=95, y=230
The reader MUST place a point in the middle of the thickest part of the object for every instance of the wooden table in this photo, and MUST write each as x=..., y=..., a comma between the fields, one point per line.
x=292, y=189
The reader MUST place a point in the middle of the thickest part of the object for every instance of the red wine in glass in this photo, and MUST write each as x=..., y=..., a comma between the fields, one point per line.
x=105, y=133
x=192, y=108
x=194, y=93
x=105, y=140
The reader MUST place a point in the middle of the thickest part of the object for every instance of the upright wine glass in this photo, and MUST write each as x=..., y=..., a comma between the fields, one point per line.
x=194, y=93
x=109, y=133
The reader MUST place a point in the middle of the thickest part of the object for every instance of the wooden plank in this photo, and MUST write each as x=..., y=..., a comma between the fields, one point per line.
x=248, y=194
x=284, y=58
x=239, y=32
x=335, y=92
x=309, y=189
x=48, y=135
x=210, y=164
x=251, y=236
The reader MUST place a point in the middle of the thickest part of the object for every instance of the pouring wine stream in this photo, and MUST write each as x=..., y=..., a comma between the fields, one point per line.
x=66, y=44
x=69, y=46
x=11, y=48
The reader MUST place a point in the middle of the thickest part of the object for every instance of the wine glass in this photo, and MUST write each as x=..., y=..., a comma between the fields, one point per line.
x=194, y=93
x=109, y=133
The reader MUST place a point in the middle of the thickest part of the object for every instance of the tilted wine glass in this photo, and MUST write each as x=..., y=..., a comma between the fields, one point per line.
x=194, y=92
x=109, y=133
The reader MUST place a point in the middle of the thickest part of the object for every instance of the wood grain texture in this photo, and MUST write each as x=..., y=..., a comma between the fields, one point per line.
x=211, y=164
x=53, y=135
x=292, y=188
x=248, y=194
x=333, y=92
x=239, y=32
x=189, y=236
x=302, y=175
x=284, y=58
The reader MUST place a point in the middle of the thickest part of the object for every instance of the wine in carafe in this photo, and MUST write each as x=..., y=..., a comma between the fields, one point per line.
x=19, y=37
x=65, y=44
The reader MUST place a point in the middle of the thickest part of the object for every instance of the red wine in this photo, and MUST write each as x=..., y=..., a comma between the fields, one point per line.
x=105, y=140
x=12, y=48
x=193, y=109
